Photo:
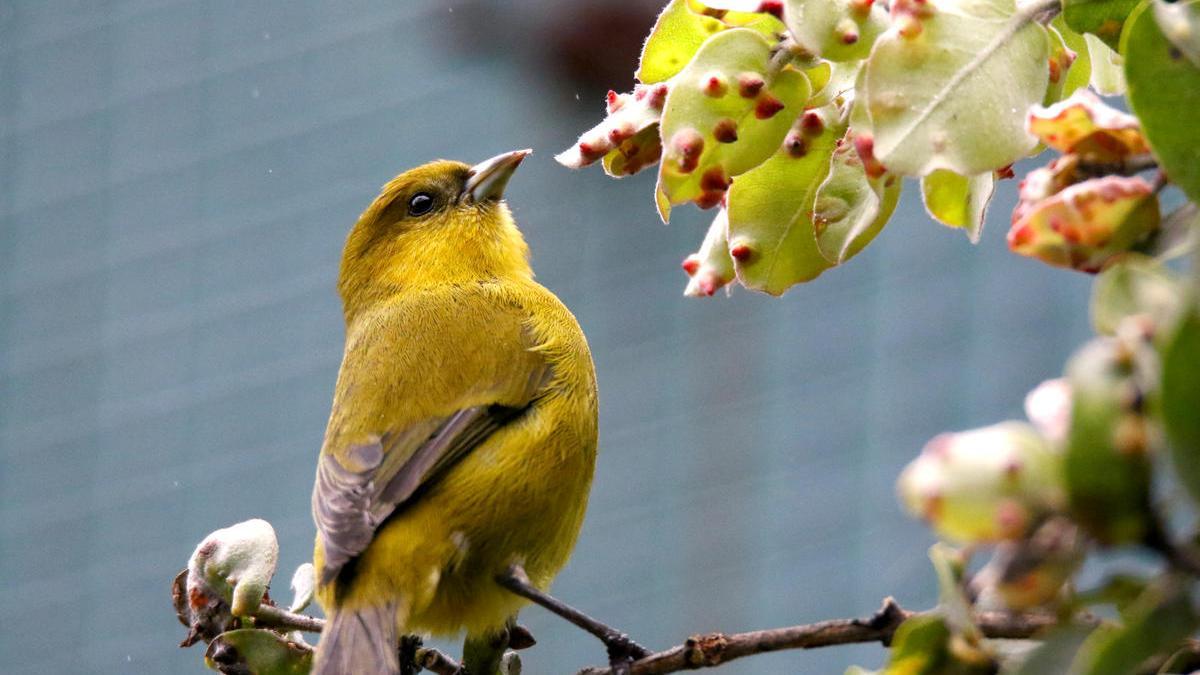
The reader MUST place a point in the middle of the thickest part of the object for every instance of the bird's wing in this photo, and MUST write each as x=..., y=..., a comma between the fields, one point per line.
x=360, y=483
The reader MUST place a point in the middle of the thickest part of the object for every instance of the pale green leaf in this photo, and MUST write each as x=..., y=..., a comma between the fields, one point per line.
x=954, y=95
x=851, y=208
x=1107, y=77
x=770, y=212
x=1080, y=72
x=697, y=163
x=834, y=29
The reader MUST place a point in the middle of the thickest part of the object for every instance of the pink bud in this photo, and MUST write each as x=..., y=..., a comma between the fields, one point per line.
x=749, y=84
x=740, y=252
x=691, y=264
x=767, y=106
x=772, y=7
x=657, y=96
x=614, y=101
x=714, y=180
x=795, y=145
x=714, y=84
x=812, y=124
x=725, y=131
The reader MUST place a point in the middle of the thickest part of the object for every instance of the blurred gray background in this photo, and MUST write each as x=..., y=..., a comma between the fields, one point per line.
x=176, y=180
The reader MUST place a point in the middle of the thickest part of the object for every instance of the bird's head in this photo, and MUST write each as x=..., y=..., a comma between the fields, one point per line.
x=441, y=223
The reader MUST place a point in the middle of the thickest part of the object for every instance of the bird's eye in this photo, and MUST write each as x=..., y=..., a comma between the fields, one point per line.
x=420, y=204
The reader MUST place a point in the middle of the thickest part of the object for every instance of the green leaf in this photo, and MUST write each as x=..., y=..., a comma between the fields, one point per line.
x=1118, y=590
x=1135, y=284
x=1080, y=72
x=1181, y=398
x=770, y=211
x=1107, y=458
x=838, y=30
x=679, y=32
x=919, y=647
x=1055, y=654
x=712, y=134
x=1108, y=76
x=949, y=564
x=1163, y=84
x=850, y=208
x=254, y=651
x=958, y=201
x=1155, y=625
x=954, y=94
x=1103, y=18
x=1062, y=61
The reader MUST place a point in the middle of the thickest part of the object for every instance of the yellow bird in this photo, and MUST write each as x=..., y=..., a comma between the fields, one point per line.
x=463, y=432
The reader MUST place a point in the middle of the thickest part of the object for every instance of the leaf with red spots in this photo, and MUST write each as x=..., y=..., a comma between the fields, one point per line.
x=629, y=116
x=838, y=30
x=851, y=208
x=711, y=267
x=947, y=87
x=682, y=28
x=759, y=105
x=771, y=210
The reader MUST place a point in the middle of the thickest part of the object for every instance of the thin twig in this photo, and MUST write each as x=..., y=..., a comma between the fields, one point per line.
x=714, y=649
x=1129, y=166
x=270, y=616
x=620, y=647
x=437, y=662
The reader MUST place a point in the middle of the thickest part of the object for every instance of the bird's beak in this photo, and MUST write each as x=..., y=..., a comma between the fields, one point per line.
x=487, y=179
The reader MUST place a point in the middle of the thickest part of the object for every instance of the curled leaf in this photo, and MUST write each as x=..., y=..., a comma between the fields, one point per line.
x=633, y=154
x=1084, y=125
x=253, y=651
x=1085, y=225
x=850, y=207
x=983, y=485
x=628, y=116
x=237, y=563
x=1107, y=76
x=711, y=267
x=304, y=581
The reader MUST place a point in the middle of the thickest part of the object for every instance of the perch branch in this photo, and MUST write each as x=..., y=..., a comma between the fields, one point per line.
x=621, y=649
x=714, y=649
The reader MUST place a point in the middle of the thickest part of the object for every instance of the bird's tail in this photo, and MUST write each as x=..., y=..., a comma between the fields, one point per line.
x=359, y=640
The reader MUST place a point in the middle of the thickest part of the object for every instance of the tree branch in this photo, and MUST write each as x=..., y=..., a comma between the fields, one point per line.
x=714, y=649
x=1129, y=166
